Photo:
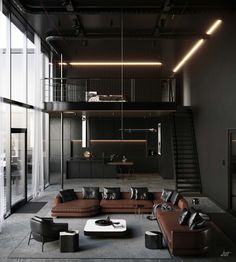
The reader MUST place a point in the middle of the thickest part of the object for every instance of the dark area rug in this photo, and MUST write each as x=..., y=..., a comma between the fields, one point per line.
x=131, y=246
x=227, y=223
x=31, y=207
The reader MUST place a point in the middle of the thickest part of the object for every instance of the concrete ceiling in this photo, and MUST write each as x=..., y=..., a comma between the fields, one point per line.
x=152, y=29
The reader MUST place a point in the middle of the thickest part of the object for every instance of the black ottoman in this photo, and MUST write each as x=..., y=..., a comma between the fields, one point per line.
x=69, y=241
x=153, y=240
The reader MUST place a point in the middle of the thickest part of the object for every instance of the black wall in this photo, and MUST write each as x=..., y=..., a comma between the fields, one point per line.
x=105, y=128
x=211, y=85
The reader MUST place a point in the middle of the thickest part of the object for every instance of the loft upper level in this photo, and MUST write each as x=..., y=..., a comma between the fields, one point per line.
x=66, y=94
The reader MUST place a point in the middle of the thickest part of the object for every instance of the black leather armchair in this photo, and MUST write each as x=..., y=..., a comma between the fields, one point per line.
x=45, y=230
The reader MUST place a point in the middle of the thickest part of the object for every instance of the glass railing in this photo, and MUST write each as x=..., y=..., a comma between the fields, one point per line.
x=109, y=90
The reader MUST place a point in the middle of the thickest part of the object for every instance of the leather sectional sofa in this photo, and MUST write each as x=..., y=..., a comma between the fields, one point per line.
x=91, y=207
x=179, y=238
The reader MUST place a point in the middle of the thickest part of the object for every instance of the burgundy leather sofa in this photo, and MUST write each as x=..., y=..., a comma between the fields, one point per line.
x=90, y=207
x=179, y=238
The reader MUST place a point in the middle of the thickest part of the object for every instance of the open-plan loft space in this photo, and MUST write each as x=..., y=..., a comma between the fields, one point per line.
x=117, y=130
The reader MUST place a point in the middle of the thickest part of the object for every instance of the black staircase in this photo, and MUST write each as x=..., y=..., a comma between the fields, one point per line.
x=187, y=169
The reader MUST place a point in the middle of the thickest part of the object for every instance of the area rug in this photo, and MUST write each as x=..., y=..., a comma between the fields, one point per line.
x=31, y=207
x=130, y=247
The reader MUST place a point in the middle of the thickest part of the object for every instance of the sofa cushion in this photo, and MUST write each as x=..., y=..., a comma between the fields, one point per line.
x=166, y=194
x=68, y=195
x=125, y=203
x=111, y=193
x=184, y=217
x=77, y=206
x=90, y=192
x=139, y=193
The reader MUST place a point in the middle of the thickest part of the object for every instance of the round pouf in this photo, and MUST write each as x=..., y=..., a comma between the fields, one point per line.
x=153, y=240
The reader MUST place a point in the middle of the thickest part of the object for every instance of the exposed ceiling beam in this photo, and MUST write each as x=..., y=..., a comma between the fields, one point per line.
x=143, y=37
x=162, y=17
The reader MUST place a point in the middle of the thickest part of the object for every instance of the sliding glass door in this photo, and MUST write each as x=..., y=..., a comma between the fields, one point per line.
x=232, y=170
x=18, y=167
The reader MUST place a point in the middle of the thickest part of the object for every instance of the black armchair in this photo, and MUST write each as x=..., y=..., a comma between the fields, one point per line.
x=45, y=230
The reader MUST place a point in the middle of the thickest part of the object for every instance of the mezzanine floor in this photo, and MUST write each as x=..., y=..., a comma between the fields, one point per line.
x=16, y=227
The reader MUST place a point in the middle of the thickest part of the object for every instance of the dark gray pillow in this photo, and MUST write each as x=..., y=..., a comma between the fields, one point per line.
x=198, y=225
x=139, y=193
x=90, y=192
x=184, y=217
x=175, y=197
x=194, y=218
x=68, y=195
x=111, y=193
x=166, y=194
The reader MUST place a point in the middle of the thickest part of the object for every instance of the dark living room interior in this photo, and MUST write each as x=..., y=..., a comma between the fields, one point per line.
x=117, y=130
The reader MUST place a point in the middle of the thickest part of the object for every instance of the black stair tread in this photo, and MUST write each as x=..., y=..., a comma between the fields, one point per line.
x=186, y=168
x=199, y=191
x=184, y=150
x=184, y=139
x=186, y=177
x=195, y=183
x=189, y=187
x=185, y=154
x=186, y=172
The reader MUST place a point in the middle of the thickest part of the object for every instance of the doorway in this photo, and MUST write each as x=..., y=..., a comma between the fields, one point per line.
x=18, y=167
x=232, y=171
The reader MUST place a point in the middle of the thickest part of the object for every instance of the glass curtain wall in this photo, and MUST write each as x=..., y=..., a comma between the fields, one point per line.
x=18, y=64
x=22, y=66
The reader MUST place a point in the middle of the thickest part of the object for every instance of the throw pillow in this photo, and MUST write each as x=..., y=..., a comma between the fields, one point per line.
x=175, y=197
x=139, y=193
x=90, y=192
x=194, y=218
x=198, y=225
x=184, y=217
x=111, y=193
x=166, y=195
x=68, y=195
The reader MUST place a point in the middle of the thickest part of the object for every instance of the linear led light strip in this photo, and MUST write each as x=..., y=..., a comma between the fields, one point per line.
x=199, y=43
x=113, y=63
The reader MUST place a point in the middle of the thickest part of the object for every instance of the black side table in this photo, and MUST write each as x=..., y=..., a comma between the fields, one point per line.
x=69, y=241
x=153, y=240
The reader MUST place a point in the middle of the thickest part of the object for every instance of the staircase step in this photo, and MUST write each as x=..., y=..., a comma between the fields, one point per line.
x=188, y=187
x=185, y=168
x=186, y=172
x=198, y=190
x=182, y=154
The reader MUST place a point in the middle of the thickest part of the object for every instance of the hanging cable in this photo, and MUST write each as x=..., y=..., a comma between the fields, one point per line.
x=122, y=73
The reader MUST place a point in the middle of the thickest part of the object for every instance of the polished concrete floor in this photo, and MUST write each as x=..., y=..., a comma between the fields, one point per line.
x=16, y=227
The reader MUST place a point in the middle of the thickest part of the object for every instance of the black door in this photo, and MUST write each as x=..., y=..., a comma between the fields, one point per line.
x=232, y=171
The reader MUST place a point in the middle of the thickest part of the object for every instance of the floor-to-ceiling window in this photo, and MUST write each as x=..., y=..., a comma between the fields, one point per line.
x=18, y=64
x=24, y=150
